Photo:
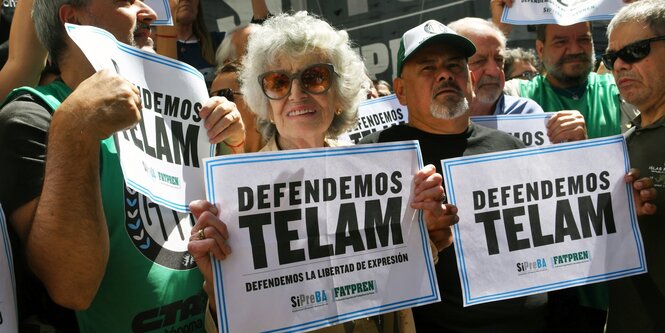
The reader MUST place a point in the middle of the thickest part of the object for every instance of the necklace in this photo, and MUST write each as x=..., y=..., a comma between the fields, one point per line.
x=183, y=48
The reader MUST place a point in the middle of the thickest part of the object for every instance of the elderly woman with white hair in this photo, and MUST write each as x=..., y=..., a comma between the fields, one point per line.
x=304, y=83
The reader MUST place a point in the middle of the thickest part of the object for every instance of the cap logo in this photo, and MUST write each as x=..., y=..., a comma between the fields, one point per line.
x=434, y=28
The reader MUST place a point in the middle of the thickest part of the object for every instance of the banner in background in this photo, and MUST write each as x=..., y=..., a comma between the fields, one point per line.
x=530, y=128
x=376, y=115
x=562, y=12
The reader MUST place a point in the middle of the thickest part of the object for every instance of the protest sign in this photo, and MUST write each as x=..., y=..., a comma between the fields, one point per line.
x=375, y=115
x=161, y=155
x=326, y=236
x=562, y=12
x=8, y=309
x=540, y=219
x=530, y=128
x=163, y=11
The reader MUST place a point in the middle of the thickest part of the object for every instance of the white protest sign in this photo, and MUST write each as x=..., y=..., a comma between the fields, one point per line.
x=562, y=12
x=8, y=309
x=161, y=156
x=163, y=11
x=375, y=115
x=319, y=236
x=530, y=128
x=540, y=219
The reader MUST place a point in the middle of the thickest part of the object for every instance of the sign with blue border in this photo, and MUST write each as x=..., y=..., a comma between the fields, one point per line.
x=319, y=236
x=530, y=128
x=539, y=219
x=376, y=115
x=161, y=156
x=163, y=11
x=561, y=12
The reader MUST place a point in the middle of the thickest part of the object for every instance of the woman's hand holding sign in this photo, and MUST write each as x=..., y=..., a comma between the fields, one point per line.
x=439, y=216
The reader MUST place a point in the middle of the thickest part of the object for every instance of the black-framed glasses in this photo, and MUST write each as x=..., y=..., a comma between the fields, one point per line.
x=315, y=79
x=227, y=93
x=630, y=53
x=528, y=75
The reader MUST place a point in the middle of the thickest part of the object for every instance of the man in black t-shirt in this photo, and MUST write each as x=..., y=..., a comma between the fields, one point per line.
x=635, y=56
x=435, y=83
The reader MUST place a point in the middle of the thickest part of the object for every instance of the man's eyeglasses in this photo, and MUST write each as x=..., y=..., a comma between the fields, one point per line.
x=315, y=79
x=630, y=53
x=528, y=75
x=227, y=93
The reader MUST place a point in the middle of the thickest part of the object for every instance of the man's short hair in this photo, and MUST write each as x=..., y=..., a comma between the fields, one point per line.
x=649, y=12
x=50, y=30
x=541, y=31
x=470, y=23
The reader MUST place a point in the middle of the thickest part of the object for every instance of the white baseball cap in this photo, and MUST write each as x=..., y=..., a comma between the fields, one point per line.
x=429, y=32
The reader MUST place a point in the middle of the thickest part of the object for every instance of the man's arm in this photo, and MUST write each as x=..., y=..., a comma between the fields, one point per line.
x=26, y=55
x=66, y=238
x=496, y=8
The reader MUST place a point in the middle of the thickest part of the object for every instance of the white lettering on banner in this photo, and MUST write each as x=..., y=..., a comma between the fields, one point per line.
x=9, y=3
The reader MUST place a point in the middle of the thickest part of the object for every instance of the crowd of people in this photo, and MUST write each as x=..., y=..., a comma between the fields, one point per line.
x=293, y=81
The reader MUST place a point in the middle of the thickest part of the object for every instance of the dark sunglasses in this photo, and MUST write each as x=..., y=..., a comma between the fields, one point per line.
x=227, y=93
x=528, y=75
x=630, y=53
x=315, y=79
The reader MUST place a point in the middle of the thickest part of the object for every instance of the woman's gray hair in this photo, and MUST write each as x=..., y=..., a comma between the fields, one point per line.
x=649, y=12
x=50, y=30
x=297, y=35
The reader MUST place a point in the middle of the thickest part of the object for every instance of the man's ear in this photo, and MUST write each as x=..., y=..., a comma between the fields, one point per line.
x=400, y=90
x=68, y=14
x=539, y=48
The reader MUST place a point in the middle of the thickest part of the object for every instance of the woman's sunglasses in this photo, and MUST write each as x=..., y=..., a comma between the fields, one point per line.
x=315, y=79
x=630, y=53
x=227, y=93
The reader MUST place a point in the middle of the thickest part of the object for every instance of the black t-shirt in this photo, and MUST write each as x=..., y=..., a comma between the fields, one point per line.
x=23, y=133
x=24, y=127
x=524, y=314
x=637, y=303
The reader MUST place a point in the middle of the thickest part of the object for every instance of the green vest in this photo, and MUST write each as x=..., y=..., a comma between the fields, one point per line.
x=150, y=284
x=600, y=104
x=601, y=107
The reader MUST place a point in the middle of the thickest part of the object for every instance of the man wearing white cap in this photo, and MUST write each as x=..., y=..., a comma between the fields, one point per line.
x=435, y=83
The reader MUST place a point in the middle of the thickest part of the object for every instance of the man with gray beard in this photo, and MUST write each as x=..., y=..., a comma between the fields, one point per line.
x=486, y=67
x=434, y=82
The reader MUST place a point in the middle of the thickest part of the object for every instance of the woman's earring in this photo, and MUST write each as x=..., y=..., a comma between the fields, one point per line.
x=338, y=112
